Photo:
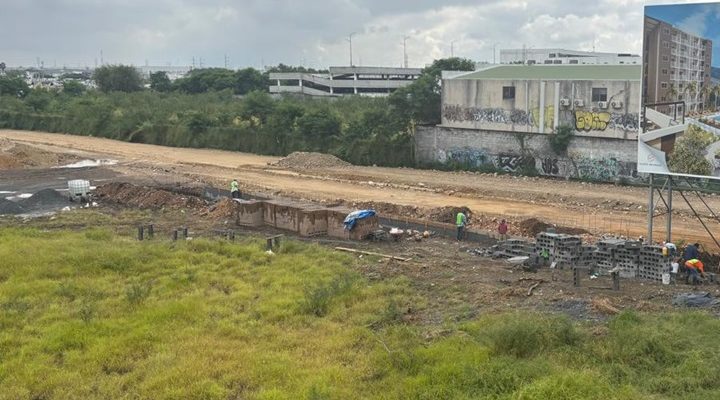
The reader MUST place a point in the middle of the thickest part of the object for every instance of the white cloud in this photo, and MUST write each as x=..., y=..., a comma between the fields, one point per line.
x=271, y=31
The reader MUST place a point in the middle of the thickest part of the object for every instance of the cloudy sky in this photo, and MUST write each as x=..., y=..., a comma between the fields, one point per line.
x=308, y=32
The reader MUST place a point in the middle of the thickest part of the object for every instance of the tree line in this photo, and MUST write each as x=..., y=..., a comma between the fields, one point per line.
x=231, y=110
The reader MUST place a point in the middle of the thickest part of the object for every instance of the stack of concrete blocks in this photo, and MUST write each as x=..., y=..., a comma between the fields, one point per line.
x=563, y=249
x=652, y=264
x=336, y=226
x=586, y=256
x=604, y=256
x=516, y=248
x=627, y=257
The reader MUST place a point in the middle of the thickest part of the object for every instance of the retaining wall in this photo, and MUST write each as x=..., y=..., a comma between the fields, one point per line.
x=592, y=158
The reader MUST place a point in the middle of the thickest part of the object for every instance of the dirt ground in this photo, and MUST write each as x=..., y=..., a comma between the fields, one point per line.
x=597, y=208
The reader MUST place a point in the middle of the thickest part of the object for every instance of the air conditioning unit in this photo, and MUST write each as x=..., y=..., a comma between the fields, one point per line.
x=579, y=103
x=565, y=102
x=617, y=104
x=602, y=104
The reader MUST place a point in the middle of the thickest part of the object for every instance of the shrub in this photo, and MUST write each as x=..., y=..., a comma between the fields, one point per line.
x=560, y=140
x=137, y=294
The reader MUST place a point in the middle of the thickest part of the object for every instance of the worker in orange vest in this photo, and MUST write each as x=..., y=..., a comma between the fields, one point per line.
x=695, y=269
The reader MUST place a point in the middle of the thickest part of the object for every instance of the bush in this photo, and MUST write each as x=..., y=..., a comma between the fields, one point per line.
x=137, y=293
x=560, y=140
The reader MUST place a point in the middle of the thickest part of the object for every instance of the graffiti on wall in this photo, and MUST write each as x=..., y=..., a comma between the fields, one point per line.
x=549, y=115
x=604, y=169
x=601, y=120
x=465, y=157
x=509, y=162
x=549, y=166
x=456, y=113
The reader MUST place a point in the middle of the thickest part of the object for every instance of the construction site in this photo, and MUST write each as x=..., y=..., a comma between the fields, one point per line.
x=306, y=196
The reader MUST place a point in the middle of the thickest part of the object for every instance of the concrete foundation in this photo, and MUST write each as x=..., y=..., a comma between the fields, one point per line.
x=335, y=218
x=251, y=213
x=313, y=221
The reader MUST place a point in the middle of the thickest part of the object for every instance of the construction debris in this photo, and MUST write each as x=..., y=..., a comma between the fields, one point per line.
x=308, y=160
x=370, y=253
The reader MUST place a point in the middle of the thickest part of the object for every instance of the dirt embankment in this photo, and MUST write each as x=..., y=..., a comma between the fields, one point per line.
x=147, y=197
x=301, y=160
x=17, y=155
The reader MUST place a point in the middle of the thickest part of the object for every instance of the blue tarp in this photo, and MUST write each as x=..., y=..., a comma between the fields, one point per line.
x=354, y=216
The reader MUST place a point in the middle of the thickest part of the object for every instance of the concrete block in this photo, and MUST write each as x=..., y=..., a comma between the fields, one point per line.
x=335, y=218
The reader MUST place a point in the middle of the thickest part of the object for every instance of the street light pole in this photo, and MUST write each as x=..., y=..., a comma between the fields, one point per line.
x=452, y=48
x=349, y=39
x=494, y=44
x=405, y=57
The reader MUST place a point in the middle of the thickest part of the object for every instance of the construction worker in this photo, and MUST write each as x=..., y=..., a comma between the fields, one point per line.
x=460, y=222
x=691, y=252
x=502, y=230
x=234, y=189
x=695, y=269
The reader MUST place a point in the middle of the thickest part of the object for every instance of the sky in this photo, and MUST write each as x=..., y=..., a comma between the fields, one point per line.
x=313, y=33
x=699, y=19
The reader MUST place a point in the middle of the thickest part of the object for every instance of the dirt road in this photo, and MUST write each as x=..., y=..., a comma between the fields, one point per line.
x=595, y=207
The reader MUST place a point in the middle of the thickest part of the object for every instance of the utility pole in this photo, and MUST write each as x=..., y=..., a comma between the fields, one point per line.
x=494, y=44
x=405, y=57
x=226, y=61
x=349, y=39
x=452, y=48
x=102, y=61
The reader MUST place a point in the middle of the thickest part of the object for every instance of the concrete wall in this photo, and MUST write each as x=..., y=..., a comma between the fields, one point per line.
x=537, y=106
x=588, y=157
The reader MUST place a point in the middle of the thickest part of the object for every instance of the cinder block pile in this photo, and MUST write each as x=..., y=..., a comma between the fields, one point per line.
x=626, y=258
x=605, y=254
x=652, y=264
x=516, y=247
x=563, y=249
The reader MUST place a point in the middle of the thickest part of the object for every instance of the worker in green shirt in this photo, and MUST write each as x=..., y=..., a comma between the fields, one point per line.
x=234, y=189
x=460, y=222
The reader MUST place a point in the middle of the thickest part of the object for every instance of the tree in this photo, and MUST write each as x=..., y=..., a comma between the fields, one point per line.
x=691, y=89
x=259, y=105
x=705, y=92
x=2, y=68
x=319, y=127
x=160, y=82
x=250, y=79
x=73, y=87
x=420, y=101
x=203, y=80
x=118, y=78
x=38, y=99
x=10, y=86
x=688, y=155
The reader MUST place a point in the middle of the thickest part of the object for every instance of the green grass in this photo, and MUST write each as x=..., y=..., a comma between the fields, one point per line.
x=88, y=314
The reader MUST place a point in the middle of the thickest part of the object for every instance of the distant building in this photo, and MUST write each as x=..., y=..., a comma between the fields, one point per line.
x=372, y=81
x=673, y=60
x=172, y=72
x=563, y=56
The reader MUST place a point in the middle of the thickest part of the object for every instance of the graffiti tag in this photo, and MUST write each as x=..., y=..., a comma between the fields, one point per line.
x=509, y=162
x=550, y=166
x=456, y=113
x=591, y=121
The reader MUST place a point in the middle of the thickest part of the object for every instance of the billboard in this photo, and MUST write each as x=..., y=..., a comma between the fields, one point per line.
x=680, y=132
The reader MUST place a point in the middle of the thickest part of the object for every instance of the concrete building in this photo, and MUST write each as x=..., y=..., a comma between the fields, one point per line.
x=564, y=56
x=595, y=100
x=505, y=115
x=374, y=81
x=173, y=72
x=674, y=59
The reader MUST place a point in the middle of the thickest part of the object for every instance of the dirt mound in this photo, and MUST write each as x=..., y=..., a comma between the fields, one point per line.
x=532, y=226
x=306, y=160
x=10, y=207
x=44, y=199
x=448, y=214
x=224, y=209
x=147, y=197
x=15, y=155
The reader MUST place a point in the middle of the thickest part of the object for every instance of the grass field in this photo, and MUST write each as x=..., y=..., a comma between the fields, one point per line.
x=93, y=315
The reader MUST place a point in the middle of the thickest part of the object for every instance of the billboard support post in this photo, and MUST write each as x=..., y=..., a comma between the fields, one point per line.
x=668, y=234
x=651, y=209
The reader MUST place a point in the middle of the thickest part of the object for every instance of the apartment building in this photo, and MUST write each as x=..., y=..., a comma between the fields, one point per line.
x=676, y=66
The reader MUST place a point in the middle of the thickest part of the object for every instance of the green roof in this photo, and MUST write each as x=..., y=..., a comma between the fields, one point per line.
x=557, y=72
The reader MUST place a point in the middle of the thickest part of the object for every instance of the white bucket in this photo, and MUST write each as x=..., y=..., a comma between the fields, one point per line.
x=675, y=266
x=666, y=279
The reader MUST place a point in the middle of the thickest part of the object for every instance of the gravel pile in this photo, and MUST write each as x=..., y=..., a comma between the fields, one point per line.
x=306, y=160
x=8, y=207
x=43, y=200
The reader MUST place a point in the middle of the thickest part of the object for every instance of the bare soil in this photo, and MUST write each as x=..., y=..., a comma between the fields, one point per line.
x=596, y=208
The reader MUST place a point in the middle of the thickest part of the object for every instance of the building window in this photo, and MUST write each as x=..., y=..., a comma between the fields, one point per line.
x=573, y=61
x=599, y=94
x=664, y=85
x=508, y=92
x=551, y=55
x=666, y=45
x=665, y=58
x=662, y=98
x=557, y=61
x=548, y=62
x=664, y=71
